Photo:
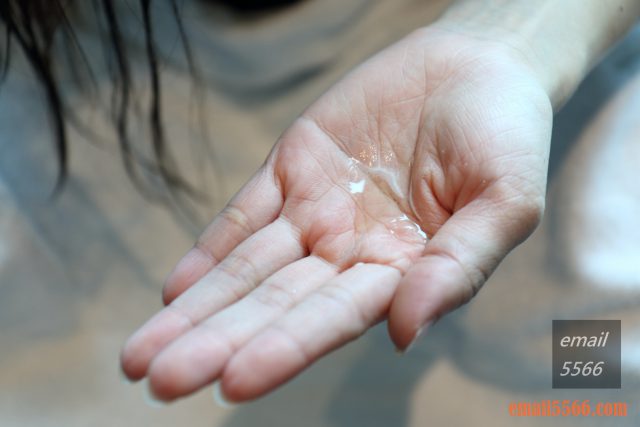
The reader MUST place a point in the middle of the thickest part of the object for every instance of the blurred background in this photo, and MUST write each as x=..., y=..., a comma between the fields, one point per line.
x=78, y=274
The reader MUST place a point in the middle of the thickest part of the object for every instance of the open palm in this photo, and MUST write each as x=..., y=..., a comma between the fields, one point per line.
x=439, y=135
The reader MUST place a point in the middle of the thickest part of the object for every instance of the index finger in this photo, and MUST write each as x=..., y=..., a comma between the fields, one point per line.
x=256, y=205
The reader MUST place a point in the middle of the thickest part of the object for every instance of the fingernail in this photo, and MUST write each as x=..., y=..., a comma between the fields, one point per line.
x=219, y=397
x=150, y=399
x=416, y=337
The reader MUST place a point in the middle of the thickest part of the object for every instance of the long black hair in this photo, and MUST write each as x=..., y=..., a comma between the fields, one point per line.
x=44, y=31
x=41, y=28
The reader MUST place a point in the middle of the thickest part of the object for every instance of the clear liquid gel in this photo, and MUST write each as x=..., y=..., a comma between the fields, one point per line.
x=402, y=226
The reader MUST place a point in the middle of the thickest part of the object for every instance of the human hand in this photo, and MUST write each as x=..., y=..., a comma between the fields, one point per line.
x=441, y=130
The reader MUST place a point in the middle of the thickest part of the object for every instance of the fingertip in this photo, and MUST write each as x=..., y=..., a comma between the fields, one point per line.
x=405, y=314
x=124, y=379
x=419, y=333
x=151, y=338
x=151, y=398
x=430, y=289
x=220, y=396
x=403, y=333
x=130, y=369
x=191, y=268
x=188, y=364
x=264, y=364
x=233, y=387
x=164, y=382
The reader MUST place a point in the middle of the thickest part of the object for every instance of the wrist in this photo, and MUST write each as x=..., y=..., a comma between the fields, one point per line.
x=558, y=75
x=558, y=41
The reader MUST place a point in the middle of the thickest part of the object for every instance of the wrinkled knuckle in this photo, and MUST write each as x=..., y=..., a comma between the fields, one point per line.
x=276, y=295
x=204, y=249
x=343, y=301
x=237, y=218
x=295, y=343
x=242, y=271
x=183, y=315
x=224, y=344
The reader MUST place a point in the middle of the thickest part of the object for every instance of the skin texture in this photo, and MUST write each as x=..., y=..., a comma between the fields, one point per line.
x=447, y=131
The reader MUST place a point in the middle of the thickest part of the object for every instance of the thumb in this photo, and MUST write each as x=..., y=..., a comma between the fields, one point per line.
x=460, y=257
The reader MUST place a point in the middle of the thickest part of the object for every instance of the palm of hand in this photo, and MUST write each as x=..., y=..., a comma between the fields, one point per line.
x=322, y=243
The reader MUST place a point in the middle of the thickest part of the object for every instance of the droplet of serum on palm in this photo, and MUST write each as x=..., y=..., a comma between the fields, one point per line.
x=357, y=181
x=356, y=187
x=401, y=227
x=405, y=229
